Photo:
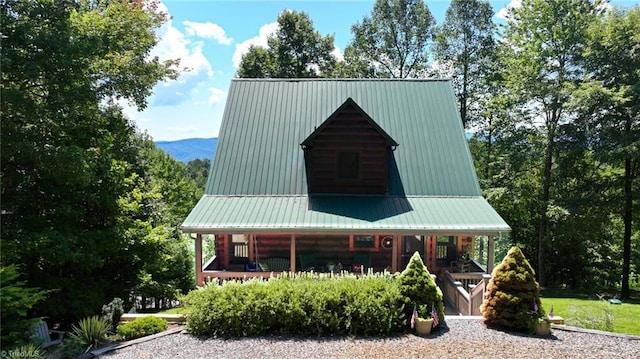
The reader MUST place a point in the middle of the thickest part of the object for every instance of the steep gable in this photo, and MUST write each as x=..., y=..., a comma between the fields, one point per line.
x=348, y=153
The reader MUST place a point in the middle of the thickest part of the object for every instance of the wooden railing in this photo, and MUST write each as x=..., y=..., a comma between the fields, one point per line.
x=465, y=291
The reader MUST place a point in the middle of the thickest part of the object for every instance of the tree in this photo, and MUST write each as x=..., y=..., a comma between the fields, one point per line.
x=543, y=44
x=465, y=42
x=67, y=151
x=512, y=299
x=296, y=50
x=610, y=106
x=419, y=288
x=391, y=42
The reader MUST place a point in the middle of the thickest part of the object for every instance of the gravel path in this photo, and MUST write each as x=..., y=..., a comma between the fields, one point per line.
x=463, y=339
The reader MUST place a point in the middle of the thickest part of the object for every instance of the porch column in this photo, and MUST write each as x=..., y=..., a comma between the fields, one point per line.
x=199, y=274
x=228, y=249
x=292, y=255
x=394, y=254
x=251, y=248
x=490, y=254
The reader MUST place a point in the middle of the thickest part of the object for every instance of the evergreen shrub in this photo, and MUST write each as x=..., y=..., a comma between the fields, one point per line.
x=299, y=304
x=91, y=332
x=112, y=313
x=512, y=298
x=141, y=327
x=420, y=289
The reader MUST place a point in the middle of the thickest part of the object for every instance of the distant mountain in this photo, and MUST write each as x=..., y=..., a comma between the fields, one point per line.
x=190, y=149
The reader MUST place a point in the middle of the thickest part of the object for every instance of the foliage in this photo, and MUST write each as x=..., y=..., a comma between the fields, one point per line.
x=24, y=351
x=91, y=332
x=17, y=300
x=72, y=348
x=391, y=42
x=112, y=312
x=419, y=288
x=512, y=297
x=141, y=327
x=68, y=153
x=295, y=50
x=464, y=41
x=601, y=319
x=301, y=304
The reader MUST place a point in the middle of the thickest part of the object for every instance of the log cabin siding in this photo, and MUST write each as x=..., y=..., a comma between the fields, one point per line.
x=349, y=131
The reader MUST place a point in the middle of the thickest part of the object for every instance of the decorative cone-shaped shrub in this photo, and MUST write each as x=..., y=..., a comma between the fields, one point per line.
x=419, y=289
x=512, y=299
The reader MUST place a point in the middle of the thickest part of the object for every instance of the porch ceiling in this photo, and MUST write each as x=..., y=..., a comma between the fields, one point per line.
x=344, y=214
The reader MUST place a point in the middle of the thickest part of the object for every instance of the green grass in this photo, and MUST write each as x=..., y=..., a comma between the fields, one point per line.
x=625, y=316
x=176, y=310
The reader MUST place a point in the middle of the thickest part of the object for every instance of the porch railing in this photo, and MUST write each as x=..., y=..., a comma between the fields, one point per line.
x=465, y=291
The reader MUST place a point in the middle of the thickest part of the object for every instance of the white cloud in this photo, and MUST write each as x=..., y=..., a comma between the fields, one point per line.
x=207, y=30
x=217, y=96
x=194, y=68
x=337, y=53
x=504, y=12
x=260, y=40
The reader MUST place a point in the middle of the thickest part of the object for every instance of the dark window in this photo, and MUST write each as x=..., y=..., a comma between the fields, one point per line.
x=348, y=165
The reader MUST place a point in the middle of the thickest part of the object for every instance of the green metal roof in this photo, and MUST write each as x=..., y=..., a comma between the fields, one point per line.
x=258, y=181
x=344, y=214
x=266, y=120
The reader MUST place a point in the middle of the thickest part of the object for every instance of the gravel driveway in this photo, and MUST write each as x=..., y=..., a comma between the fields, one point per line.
x=464, y=338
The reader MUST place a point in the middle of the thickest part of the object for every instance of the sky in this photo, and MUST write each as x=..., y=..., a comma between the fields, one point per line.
x=210, y=36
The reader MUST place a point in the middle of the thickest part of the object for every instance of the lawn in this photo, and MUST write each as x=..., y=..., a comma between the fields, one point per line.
x=579, y=308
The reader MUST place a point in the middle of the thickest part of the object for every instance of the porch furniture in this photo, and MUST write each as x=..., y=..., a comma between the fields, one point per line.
x=363, y=258
x=275, y=265
x=41, y=333
x=308, y=261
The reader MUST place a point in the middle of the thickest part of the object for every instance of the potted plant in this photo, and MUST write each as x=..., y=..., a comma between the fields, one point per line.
x=540, y=323
x=423, y=324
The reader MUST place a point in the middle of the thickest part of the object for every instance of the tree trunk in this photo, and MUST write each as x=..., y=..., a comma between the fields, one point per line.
x=544, y=220
x=627, y=218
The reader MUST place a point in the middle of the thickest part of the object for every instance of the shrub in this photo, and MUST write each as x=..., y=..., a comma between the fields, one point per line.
x=72, y=348
x=91, y=332
x=17, y=299
x=112, y=313
x=301, y=304
x=512, y=299
x=142, y=327
x=420, y=289
x=24, y=351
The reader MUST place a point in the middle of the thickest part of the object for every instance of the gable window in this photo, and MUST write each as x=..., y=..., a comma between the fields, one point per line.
x=348, y=165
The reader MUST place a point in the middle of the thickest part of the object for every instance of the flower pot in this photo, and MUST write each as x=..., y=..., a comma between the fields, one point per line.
x=423, y=326
x=543, y=328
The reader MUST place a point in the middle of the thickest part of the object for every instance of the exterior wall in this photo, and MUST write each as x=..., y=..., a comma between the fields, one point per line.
x=348, y=132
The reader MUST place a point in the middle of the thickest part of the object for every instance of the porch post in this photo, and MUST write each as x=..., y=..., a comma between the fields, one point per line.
x=292, y=255
x=394, y=254
x=490, y=254
x=251, y=248
x=227, y=248
x=199, y=275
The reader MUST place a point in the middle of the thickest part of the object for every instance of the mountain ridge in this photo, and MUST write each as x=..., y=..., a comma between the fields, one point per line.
x=190, y=149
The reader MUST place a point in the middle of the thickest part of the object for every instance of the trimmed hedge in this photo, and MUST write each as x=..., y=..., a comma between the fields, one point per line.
x=142, y=327
x=300, y=304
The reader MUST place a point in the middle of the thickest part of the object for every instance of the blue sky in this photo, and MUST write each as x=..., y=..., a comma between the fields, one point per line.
x=210, y=36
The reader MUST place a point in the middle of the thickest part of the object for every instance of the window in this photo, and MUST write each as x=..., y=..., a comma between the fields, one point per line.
x=348, y=165
x=365, y=243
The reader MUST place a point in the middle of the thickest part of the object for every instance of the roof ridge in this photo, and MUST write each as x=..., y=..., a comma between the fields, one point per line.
x=337, y=80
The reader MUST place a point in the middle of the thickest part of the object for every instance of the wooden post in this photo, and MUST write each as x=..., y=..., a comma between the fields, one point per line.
x=490, y=254
x=199, y=275
x=227, y=247
x=292, y=255
x=394, y=254
x=251, y=247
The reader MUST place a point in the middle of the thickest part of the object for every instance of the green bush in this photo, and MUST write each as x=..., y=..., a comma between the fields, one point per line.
x=512, y=299
x=24, y=351
x=141, y=327
x=601, y=319
x=112, y=313
x=302, y=304
x=420, y=289
x=72, y=348
x=91, y=332
x=17, y=300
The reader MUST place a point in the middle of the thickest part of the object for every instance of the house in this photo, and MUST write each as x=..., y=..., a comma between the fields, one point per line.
x=321, y=173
